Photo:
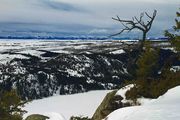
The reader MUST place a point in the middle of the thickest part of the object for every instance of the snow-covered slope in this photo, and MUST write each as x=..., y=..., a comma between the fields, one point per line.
x=61, y=67
x=65, y=106
x=42, y=68
x=165, y=107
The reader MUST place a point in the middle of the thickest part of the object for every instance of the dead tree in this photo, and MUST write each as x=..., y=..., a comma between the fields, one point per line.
x=137, y=23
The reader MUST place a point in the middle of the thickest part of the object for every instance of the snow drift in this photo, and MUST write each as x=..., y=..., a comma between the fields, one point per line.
x=166, y=107
x=62, y=107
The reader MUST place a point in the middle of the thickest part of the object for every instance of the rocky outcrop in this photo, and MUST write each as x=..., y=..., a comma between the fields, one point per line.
x=37, y=117
x=108, y=105
x=112, y=101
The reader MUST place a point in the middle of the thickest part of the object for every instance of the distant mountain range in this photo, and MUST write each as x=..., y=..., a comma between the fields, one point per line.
x=61, y=32
x=78, y=38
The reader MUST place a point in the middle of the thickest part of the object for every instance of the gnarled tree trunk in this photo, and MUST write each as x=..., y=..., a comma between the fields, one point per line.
x=139, y=24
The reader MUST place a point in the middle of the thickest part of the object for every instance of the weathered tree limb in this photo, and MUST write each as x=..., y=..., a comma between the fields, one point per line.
x=136, y=23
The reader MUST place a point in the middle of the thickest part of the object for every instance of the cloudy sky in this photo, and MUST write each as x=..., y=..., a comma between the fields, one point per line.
x=81, y=16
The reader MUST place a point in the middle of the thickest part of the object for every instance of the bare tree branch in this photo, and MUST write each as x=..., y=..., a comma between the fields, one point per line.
x=148, y=15
x=149, y=24
x=136, y=23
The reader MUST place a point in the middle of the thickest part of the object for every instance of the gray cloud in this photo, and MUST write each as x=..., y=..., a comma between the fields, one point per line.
x=62, y=6
x=89, y=15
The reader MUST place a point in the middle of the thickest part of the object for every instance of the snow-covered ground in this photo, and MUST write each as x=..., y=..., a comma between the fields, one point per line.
x=10, y=49
x=62, y=107
x=166, y=107
x=118, y=52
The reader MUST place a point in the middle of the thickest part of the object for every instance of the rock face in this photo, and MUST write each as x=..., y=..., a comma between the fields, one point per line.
x=109, y=104
x=112, y=101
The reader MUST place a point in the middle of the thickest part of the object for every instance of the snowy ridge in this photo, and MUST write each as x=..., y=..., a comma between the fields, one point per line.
x=166, y=107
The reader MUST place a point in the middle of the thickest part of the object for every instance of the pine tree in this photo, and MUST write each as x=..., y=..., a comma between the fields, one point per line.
x=175, y=37
x=10, y=105
x=147, y=63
